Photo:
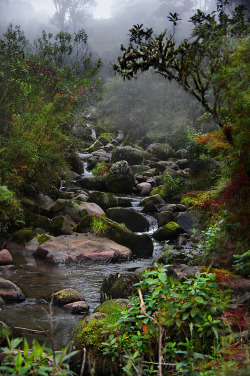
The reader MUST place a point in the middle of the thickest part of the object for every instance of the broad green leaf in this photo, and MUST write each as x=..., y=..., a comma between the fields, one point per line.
x=199, y=299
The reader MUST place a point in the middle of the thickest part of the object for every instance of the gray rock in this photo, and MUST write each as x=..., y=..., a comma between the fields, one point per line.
x=164, y=218
x=160, y=151
x=189, y=220
x=133, y=220
x=120, y=178
x=144, y=188
x=118, y=286
x=105, y=200
x=131, y=155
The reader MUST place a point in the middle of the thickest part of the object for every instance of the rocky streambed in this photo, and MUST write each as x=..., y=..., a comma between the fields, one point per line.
x=93, y=227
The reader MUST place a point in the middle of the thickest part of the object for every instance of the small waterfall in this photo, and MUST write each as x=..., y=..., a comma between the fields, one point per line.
x=93, y=132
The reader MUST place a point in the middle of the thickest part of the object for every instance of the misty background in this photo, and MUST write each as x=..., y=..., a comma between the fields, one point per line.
x=149, y=105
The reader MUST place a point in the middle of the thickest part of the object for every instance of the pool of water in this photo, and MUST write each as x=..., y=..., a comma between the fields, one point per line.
x=39, y=280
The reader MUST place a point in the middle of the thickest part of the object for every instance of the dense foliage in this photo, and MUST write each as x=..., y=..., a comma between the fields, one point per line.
x=40, y=87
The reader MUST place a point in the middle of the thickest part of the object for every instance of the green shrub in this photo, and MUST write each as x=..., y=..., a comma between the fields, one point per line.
x=172, y=320
x=39, y=360
x=10, y=210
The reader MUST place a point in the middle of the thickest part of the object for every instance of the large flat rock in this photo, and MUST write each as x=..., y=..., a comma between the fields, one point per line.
x=80, y=248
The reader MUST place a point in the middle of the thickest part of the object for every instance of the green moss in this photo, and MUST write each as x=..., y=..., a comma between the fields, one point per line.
x=117, y=286
x=39, y=221
x=170, y=231
x=161, y=190
x=116, y=186
x=112, y=306
x=88, y=334
x=66, y=296
x=60, y=206
x=140, y=245
x=104, y=199
x=23, y=236
x=172, y=226
x=43, y=238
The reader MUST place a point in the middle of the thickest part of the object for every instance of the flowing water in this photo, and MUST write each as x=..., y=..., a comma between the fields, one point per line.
x=38, y=280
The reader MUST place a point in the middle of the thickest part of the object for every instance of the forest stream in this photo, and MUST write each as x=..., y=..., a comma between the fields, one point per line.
x=38, y=280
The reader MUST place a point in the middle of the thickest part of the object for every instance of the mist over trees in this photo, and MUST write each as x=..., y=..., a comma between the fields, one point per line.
x=70, y=14
x=129, y=104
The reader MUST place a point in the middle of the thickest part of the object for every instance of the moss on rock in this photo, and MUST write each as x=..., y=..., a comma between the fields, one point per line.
x=104, y=199
x=140, y=245
x=118, y=285
x=168, y=232
x=23, y=236
x=66, y=296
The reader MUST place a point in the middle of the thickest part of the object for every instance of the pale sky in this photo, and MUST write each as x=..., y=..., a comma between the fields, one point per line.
x=102, y=10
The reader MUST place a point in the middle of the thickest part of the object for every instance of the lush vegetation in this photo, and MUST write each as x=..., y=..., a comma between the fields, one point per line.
x=39, y=360
x=189, y=326
x=169, y=327
x=41, y=86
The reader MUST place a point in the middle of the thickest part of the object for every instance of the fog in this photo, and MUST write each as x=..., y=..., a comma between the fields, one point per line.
x=107, y=24
x=106, y=21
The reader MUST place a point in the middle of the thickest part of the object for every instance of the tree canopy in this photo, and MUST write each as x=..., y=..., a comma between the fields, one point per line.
x=194, y=62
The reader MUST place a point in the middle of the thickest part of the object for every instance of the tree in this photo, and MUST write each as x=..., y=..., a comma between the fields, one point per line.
x=69, y=12
x=194, y=62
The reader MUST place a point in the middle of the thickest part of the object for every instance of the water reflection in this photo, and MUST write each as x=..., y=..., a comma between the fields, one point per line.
x=39, y=280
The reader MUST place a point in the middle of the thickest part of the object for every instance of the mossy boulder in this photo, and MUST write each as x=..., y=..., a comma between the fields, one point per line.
x=150, y=204
x=140, y=245
x=112, y=306
x=160, y=151
x=162, y=190
x=76, y=163
x=118, y=285
x=88, y=334
x=29, y=206
x=43, y=238
x=93, y=183
x=61, y=206
x=133, y=220
x=120, y=178
x=61, y=226
x=23, y=236
x=75, y=209
x=168, y=232
x=164, y=218
x=56, y=193
x=156, y=199
x=105, y=138
x=127, y=153
x=104, y=199
x=67, y=296
x=39, y=221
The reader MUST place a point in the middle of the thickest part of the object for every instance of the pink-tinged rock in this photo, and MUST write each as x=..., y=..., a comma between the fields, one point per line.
x=77, y=307
x=10, y=292
x=5, y=257
x=80, y=248
x=91, y=208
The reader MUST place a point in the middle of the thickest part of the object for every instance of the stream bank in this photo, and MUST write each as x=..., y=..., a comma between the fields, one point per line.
x=129, y=171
